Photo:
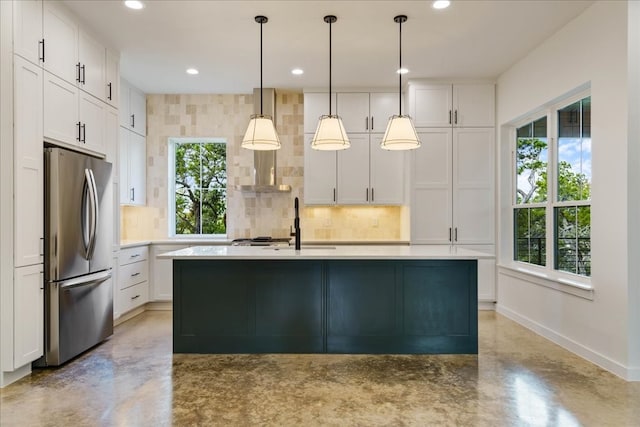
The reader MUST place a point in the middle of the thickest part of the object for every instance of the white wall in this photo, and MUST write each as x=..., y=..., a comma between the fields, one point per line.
x=633, y=302
x=590, y=49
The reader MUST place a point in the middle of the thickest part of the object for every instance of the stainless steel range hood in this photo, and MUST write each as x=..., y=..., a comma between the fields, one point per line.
x=264, y=162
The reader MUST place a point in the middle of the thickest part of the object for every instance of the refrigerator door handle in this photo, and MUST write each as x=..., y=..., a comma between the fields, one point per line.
x=85, y=280
x=86, y=234
x=94, y=217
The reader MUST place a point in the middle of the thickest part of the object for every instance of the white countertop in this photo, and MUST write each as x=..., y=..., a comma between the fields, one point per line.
x=392, y=252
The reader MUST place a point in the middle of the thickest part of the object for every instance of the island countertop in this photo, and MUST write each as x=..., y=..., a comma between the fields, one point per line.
x=390, y=252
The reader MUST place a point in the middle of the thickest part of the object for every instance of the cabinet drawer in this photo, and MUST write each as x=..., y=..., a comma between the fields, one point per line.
x=134, y=296
x=138, y=253
x=131, y=274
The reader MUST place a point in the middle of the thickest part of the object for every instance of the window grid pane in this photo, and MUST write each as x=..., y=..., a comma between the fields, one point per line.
x=200, y=182
x=531, y=162
x=574, y=151
x=530, y=235
x=573, y=239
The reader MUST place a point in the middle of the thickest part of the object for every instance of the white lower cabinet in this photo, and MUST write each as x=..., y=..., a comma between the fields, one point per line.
x=486, y=273
x=117, y=310
x=133, y=278
x=28, y=314
x=162, y=276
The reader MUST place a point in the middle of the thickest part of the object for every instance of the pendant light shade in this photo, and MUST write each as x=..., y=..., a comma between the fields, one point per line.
x=330, y=133
x=400, y=134
x=261, y=133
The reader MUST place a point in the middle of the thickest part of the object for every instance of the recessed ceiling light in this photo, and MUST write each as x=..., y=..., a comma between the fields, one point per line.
x=402, y=70
x=441, y=4
x=192, y=71
x=297, y=71
x=134, y=4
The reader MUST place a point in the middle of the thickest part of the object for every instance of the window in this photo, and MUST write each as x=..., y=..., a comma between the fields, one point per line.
x=198, y=186
x=554, y=203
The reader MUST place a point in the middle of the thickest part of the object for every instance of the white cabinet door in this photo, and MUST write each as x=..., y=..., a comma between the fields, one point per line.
x=61, y=42
x=383, y=106
x=28, y=314
x=124, y=109
x=319, y=175
x=431, y=105
x=112, y=87
x=353, y=109
x=92, y=118
x=29, y=168
x=162, y=272
x=431, y=205
x=486, y=273
x=27, y=29
x=353, y=172
x=474, y=105
x=111, y=136
x=123, y=165
x=138, y=108
x=92, y=58
x=473, y=185
x=60, y=110
x=386, y=173
x=115, y=272
x=316, y=105
x=137, y=169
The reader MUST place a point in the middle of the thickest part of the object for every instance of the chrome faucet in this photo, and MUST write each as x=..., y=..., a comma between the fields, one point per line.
x=296, y=224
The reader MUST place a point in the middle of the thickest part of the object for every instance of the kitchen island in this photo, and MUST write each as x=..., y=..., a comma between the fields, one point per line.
x=343, y=299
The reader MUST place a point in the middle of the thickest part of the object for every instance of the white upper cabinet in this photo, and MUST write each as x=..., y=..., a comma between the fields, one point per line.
x=319, y=175
x=386, y=173
x=60, y=110
x=366, y=112
x=92, y=60
x=133, y=108
x=29, y=167
x=112, y=87
x=92, y=114
x=60, y=42
x=316, y=105
x=27, y=30
x=458, y=105
x=133, y=169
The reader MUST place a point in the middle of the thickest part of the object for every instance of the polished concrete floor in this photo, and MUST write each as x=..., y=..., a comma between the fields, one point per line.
x=133, y=379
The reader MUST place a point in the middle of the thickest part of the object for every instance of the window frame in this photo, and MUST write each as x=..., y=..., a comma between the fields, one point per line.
x=171, y=184
x=549, y=270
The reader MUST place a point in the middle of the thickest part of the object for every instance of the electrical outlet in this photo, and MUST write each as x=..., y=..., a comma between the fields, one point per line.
x=375, y=222
x=327, y=222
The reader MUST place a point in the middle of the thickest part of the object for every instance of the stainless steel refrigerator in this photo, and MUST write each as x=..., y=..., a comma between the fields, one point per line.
x=78, y=220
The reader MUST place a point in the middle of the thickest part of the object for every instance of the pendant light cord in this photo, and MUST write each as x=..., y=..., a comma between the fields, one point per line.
x=400, y=72
x=261, y=22
x=329, y=67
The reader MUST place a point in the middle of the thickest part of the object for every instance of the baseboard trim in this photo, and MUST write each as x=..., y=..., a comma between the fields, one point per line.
x=128, y=315
x=628, y=374
x=159, y=306
x=487, y=305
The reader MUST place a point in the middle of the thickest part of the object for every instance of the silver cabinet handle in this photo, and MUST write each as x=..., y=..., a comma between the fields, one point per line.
x=137, y=296
x=109, y=96
x=367, y=194
x=449, y=116
x=135, y=274
x=456, y=234
x=450, y=234
x=78, y=72
x=133, y=194
x=366, y=123
x=133, y=120
x=456, y=117
x=334, y=194
x=134, y=256
x=82, y=69
x=79, y=137
x=41, y=43
x=372, y=195
x=371, y=122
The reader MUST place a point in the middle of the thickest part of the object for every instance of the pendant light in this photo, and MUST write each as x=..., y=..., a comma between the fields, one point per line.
x=261, y=133
x=330, y=133
x=400, y=134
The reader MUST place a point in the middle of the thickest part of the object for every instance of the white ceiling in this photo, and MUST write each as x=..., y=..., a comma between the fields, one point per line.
x=472, y=39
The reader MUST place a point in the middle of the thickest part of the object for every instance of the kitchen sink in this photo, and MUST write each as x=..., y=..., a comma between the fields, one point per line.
x=287, y=248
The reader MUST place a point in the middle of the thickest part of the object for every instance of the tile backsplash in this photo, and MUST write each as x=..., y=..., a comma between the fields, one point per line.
x=248, y=214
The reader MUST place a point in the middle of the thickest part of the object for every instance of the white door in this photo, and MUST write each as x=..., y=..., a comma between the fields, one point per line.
x=124, y=107
x=473, y=185
x=138, y=104
x=430, y=105
x=115, y=273
x=27, y=29
x=386, y=173
x=61, y=42
x=381, y=107
x=92, y=118
x=60, y=110
x=162, y=273
x=319, y=175
x=29, y=178
x=474, y=105
x=123, y=165
x=431, y=214
x=353, y=109
x=138, y=169
x=112, y=81
x=353, y=172
x=316, y=105
x=28, y=314
x=92, y=59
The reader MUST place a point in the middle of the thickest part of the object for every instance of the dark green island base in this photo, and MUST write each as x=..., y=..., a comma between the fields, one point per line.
x=328, y=306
